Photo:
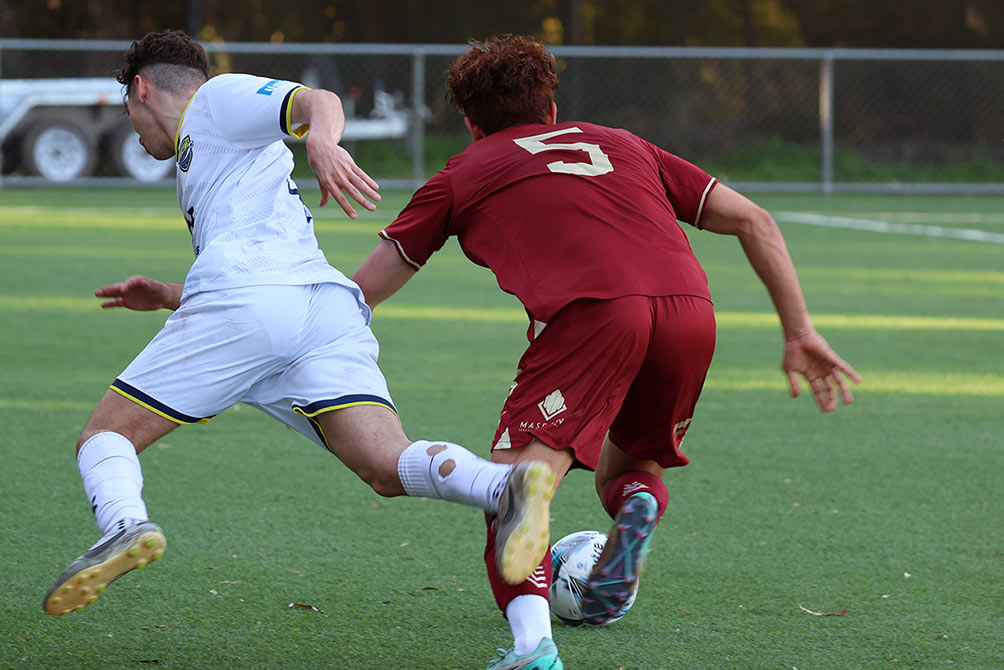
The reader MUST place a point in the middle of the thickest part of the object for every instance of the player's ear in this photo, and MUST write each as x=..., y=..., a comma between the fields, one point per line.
x=476, y=133
x=140, y=89
x=552, y=115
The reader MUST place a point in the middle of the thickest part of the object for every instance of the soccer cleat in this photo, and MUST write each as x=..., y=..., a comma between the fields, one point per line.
x=544, y=657
x=88, y=576
x=522, y=532
x=613, y=582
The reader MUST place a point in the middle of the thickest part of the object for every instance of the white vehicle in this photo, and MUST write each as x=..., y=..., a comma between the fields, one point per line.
x=65, y=129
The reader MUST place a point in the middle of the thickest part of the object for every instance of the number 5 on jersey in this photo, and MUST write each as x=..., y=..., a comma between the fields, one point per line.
x=599, y=162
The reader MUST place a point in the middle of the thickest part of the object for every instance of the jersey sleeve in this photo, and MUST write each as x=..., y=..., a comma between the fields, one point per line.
x=423, y=226
x=687, y=186
x=254, y=111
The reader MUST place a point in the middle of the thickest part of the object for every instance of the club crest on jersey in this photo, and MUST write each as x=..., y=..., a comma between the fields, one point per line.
x=552, y=405
x=185, y=153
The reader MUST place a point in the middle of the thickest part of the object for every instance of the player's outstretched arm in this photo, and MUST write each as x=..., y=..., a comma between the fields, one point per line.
x=337, y=173
x=142, y=294
x=382, y=273
x=806, y=353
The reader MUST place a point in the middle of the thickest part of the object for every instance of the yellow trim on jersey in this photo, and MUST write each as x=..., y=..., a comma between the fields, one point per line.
x=177, y=133
x=155, y=410
x=305, y=128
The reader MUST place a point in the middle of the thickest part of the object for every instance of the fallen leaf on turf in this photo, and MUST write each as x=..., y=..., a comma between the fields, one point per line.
x=429, y=588
x=301, y=606
x=840, y=613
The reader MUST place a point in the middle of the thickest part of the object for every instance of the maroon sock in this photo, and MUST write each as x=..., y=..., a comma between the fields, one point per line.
x=536, y=584
x=622, y=487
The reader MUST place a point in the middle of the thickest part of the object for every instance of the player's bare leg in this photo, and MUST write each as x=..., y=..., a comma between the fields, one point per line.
x=633, y=493
x=107, y=449
x=370, y=440
x=525, y=604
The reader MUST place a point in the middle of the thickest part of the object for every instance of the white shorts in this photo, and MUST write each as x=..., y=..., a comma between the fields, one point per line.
x=294, y=352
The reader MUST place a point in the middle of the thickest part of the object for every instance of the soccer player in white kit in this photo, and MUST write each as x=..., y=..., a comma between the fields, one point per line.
x=261, y=318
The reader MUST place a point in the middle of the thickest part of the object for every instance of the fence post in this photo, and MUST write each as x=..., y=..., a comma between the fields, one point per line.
x=826, y=121
x=418, y=118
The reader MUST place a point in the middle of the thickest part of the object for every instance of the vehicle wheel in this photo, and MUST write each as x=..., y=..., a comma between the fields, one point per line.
x=58, y=150
x=132, y=160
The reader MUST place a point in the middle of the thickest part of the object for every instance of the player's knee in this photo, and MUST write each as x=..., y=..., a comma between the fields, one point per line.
x=86, y=434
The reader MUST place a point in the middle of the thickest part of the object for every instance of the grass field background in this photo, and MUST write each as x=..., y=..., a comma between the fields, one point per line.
x=889, y=511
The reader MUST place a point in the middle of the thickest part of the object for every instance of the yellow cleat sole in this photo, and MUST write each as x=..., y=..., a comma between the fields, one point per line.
x=527, y=544
x=82, y=588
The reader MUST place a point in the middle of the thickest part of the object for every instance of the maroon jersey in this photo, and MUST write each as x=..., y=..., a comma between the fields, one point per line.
x=560, y=212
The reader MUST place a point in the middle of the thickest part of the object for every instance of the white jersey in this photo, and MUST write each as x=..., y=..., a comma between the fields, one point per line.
x=249, y=225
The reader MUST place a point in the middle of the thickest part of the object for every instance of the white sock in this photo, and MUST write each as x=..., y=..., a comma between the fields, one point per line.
x=113, y=481
x=529, y=618
x=447, y=471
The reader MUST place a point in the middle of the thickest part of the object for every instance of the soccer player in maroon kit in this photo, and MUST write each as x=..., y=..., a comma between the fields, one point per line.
x=579, y=222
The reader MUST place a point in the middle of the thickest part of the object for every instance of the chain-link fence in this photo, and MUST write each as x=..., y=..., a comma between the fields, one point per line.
x=820, y=120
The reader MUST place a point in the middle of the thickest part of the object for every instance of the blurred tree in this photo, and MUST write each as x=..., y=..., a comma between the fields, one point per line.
x=866, y=23
x=959, y=24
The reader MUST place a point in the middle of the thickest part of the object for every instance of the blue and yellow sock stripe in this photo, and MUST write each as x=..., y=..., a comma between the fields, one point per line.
x=154, y=405
x=315, y=409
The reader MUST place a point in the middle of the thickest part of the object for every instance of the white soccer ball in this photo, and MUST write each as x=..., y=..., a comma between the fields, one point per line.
x=573, y=558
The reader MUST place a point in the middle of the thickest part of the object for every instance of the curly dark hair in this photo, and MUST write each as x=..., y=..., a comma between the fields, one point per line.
x=503, y=82
x=168, y=47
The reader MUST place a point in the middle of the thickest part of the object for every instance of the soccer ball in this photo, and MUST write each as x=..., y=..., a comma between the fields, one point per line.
x=573, y=558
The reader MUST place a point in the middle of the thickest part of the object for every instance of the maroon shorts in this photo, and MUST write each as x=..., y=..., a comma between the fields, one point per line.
x=633, y=366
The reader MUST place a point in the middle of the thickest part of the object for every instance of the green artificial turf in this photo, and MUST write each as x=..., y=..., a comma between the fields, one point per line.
x=869, y=538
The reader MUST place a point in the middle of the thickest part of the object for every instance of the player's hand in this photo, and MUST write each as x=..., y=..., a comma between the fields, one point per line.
x=337, y=174
x=810, y=356
x=140, y=293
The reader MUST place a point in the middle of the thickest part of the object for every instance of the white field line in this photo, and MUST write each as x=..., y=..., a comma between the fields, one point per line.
x=811, y=219
x=950, y=218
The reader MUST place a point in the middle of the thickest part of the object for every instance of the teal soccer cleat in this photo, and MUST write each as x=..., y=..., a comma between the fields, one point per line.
x=613, y=583
x=544, y=657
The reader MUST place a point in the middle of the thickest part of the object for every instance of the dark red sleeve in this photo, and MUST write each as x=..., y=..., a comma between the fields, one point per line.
x=422, y=226
x=687, y=186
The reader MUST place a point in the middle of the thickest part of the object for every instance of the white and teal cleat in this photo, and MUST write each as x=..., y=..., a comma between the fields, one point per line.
x=89, y=575
x=544, y=657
